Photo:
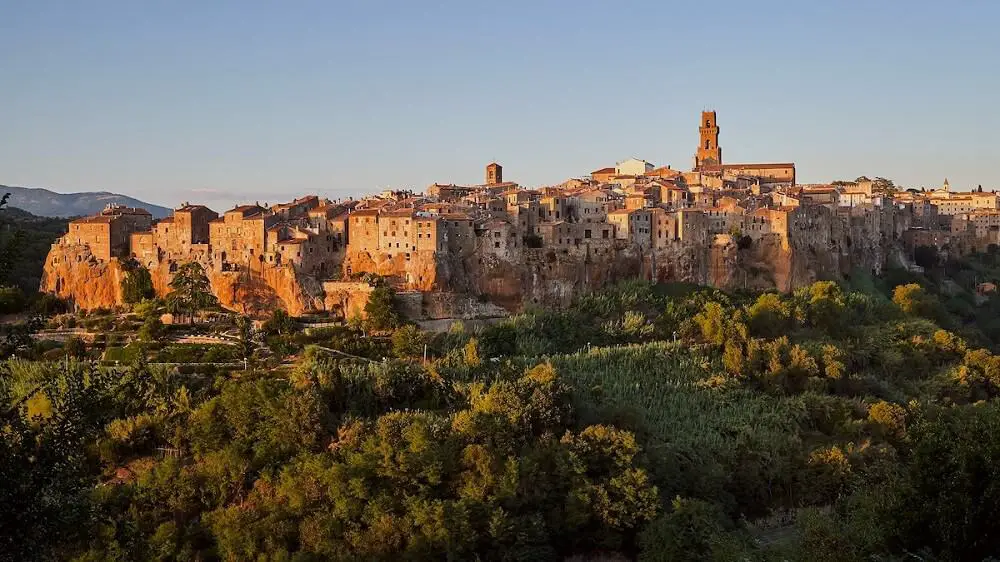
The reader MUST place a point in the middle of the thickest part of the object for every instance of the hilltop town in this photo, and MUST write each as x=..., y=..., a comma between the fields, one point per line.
x=727, y=225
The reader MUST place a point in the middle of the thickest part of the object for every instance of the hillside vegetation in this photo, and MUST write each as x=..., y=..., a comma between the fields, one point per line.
x=853, y=421
x=27, y=239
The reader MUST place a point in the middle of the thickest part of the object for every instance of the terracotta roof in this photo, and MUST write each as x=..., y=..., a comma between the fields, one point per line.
x=93, y=219
x=721, y=167
x=398, y=213
x=190, y=208
x=365, y=212
x=246, y=210
x=603, y=171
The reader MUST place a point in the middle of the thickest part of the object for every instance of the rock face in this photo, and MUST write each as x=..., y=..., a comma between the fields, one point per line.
x=818, y=245
x=72, y=272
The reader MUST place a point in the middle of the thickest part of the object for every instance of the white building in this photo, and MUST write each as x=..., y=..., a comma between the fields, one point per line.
x=633, y=167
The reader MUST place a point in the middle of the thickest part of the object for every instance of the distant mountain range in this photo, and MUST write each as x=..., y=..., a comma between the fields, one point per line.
x=45, y=203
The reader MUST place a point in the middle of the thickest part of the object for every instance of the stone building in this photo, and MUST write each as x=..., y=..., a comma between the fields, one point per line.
x=494, y=174
x=603, y=175
x=633, y=167
x=108, y=234
x=184, y=235
x=363, y=231
x=239, y=237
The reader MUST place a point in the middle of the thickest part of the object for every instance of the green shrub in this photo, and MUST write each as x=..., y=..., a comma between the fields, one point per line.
x=12, y=300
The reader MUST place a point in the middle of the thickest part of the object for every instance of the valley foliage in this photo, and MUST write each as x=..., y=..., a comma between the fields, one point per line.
x=852, y=421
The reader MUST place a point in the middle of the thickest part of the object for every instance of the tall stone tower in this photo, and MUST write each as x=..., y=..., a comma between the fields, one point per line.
x=494, y=174
x=709, y=151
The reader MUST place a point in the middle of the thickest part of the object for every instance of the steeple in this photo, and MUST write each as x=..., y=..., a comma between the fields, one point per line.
x=946, y=186
x=709, y=152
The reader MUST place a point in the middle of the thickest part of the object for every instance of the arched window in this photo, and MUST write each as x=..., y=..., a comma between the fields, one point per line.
x=708, y=144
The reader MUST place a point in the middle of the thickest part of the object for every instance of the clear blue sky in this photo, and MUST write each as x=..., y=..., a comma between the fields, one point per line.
x=239, y=100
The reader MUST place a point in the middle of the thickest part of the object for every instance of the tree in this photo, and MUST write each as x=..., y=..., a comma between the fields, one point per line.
x=913, y=299
x=11, y=247
x=17, y=337
x=75, y=348
x=691, y=531
x=248, y=338
x=769, y=316
x=380, y=310
x=889, y=417
x=408, y=341
x=152, y=329
x=12, y=300
x=190, y=290
x=883, y=184
x=137, y=285
x=279, y=324
x=821, y=305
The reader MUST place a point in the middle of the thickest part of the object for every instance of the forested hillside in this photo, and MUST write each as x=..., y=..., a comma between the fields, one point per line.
x=842, y=422
x=27, y=241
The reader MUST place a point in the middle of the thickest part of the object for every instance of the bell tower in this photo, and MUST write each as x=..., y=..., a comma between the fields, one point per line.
x=709, y=152
x=494, y=174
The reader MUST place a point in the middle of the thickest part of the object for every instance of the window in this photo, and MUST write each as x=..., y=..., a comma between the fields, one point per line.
x=496, y=244
x=586, y=233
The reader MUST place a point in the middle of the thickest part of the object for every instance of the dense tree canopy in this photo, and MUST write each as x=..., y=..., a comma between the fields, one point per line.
x=647, y=421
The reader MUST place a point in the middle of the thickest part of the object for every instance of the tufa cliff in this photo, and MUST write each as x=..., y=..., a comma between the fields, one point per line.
x=819, y=244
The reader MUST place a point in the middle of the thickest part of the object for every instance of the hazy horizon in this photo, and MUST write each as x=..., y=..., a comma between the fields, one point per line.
x=243, y=101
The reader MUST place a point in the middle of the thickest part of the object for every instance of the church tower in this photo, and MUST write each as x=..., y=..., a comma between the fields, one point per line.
x=709, y=151
x=494, y=174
